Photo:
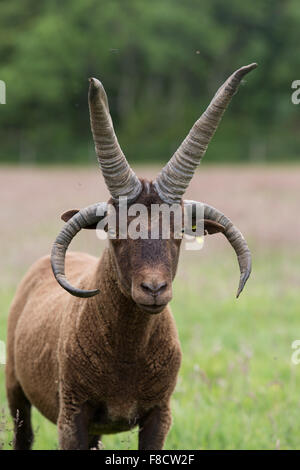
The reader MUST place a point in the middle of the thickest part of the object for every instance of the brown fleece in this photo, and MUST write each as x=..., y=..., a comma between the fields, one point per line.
x=99, y=365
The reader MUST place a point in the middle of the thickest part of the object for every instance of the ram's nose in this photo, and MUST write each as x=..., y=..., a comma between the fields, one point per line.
x=152, y=291
x=154, y=288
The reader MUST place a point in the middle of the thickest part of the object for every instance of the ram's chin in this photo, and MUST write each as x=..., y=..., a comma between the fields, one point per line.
x=153, y=309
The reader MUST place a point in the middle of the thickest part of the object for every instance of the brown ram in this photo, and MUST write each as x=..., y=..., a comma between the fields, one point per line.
x=99, y=361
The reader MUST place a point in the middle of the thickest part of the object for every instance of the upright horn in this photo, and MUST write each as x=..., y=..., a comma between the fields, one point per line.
x=175, y=177
x=119, y=177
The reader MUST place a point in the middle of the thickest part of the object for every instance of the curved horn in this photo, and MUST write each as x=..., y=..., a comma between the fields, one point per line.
x=174, y=178
x=119, y=177
x=234, y=237
x=82, y=219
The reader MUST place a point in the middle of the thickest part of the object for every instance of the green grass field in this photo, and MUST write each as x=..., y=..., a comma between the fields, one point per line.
x=237, y=388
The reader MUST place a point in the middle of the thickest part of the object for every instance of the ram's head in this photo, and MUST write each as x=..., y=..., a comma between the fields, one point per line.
x=146, y=265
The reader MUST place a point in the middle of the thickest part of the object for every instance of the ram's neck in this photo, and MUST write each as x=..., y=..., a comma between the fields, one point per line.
x=125, y=326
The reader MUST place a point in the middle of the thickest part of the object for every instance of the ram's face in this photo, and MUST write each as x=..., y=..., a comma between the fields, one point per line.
x=146, y=266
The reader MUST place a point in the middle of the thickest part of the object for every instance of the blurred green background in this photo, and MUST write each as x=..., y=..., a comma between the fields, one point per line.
x=160, y=62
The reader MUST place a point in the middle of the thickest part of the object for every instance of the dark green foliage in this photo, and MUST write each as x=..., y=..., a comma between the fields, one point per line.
x=160, y=62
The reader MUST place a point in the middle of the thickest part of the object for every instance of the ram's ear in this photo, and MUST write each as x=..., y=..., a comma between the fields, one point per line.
x=69, y=214
x=211, y=227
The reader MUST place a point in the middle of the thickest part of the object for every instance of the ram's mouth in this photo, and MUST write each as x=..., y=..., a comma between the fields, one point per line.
x=154, y=308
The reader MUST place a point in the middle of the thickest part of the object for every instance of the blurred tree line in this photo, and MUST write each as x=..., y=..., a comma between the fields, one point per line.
x=160, y=61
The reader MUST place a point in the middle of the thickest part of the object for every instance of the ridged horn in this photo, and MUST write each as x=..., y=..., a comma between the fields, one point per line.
x=173, y=180
x=234, y=237
x=82, y=219
x=119, y=177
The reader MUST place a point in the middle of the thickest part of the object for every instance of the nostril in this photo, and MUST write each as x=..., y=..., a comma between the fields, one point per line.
x=147, y=287
x=154, y=289
x=144, y=286
x=161, y=287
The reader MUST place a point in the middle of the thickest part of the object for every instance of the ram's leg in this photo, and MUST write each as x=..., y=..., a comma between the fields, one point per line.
x=73, y=425
x=154, y=428
x=94, y=442
x=20, y=409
